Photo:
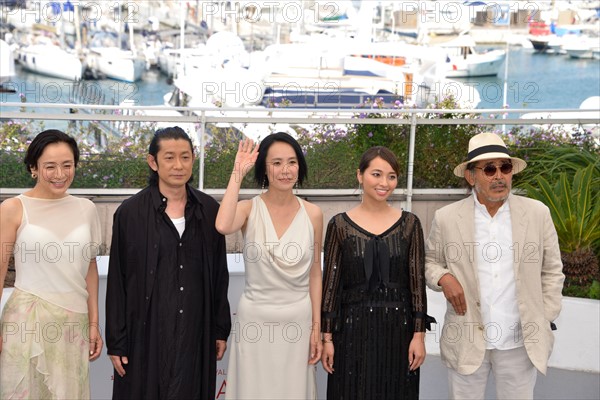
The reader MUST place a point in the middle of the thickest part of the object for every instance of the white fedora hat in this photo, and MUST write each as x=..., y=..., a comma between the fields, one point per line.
x=488, y=146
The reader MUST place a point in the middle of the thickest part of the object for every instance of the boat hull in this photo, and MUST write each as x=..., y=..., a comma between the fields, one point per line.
x=43, y=60
x=122, y=69
x=540, y=43
x=487, y=64
x=118, y=65
x=579, y=53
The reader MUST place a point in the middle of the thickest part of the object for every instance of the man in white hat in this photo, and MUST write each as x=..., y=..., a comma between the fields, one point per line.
x=496, y=258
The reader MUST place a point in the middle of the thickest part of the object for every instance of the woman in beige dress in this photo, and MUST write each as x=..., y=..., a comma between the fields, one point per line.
x=275, y=341
x=50, y=322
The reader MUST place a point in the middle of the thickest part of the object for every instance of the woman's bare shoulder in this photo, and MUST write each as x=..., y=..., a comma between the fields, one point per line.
x=313, y=210
x=11, y=205
x=11, y=211
x=245, y=205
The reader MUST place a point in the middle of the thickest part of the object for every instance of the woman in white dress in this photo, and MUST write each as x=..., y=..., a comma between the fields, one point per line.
x=50, y=321
x=275, y=341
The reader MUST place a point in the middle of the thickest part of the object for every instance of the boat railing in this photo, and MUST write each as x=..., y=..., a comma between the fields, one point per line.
x=121, y=118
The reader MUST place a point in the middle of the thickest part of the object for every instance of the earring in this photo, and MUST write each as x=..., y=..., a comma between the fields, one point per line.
x=296, y=188
x=360, y=191
x=34, y=175
x=264, y=183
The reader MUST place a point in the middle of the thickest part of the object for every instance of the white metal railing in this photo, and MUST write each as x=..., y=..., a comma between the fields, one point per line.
x=297, y=116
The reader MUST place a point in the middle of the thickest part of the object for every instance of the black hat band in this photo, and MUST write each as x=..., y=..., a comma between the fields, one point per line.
x=492, y=148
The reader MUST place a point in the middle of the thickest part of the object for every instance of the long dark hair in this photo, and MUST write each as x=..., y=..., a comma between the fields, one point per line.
x=173, y=132
x=43, y=139
x=260, y=167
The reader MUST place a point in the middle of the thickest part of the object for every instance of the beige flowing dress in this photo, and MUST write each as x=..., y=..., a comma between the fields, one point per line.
x=45, y=327
x=270, y=340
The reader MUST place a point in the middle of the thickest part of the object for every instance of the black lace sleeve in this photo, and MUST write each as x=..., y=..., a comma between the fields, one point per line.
x=416, y=267
x=332, y=275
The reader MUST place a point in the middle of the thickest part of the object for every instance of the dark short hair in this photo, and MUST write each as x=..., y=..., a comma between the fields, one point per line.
x=43, y=139
x=173, y=132
x=260, y=167
x=378, y=151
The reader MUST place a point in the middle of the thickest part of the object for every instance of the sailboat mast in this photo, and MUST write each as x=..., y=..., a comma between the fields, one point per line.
x=131, y=38
x=120, y=26
x=78, y=44
x=182, y=13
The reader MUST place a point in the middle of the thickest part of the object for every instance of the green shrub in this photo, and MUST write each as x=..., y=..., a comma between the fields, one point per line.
x=331, y=159
x=586, y=291
x=594, y=291
x=332, y=151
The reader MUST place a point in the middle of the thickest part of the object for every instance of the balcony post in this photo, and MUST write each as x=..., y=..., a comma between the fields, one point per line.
x=411, y=160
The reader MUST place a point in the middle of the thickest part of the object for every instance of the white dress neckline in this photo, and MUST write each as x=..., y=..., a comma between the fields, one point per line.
x=272, y=225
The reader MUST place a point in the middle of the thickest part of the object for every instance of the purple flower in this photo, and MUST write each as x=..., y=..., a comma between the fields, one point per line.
x=370, y=134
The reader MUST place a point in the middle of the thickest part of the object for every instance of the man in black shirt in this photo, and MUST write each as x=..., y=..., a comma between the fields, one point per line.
x=167, y=313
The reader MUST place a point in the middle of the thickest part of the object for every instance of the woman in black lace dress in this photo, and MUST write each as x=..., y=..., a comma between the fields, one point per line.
x=374, y=302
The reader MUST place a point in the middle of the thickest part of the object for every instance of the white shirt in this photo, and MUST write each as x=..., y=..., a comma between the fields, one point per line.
x=179, y=225
x=497, y=284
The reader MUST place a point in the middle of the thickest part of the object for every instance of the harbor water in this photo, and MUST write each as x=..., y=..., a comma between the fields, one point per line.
x=535, y=81
x=540, y=80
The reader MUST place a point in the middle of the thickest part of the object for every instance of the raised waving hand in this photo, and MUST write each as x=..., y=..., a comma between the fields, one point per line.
x=245, y=157
x=232, y=215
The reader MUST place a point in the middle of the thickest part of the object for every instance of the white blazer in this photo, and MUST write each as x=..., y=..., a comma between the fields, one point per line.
x=538, y=275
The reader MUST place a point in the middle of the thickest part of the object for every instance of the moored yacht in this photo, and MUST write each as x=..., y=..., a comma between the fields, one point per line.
x=583, y=47
x=114, y=63
x=49, y=59
x=463, y=60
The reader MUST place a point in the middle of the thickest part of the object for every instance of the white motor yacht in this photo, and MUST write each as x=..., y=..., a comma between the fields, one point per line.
x=463, y=60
